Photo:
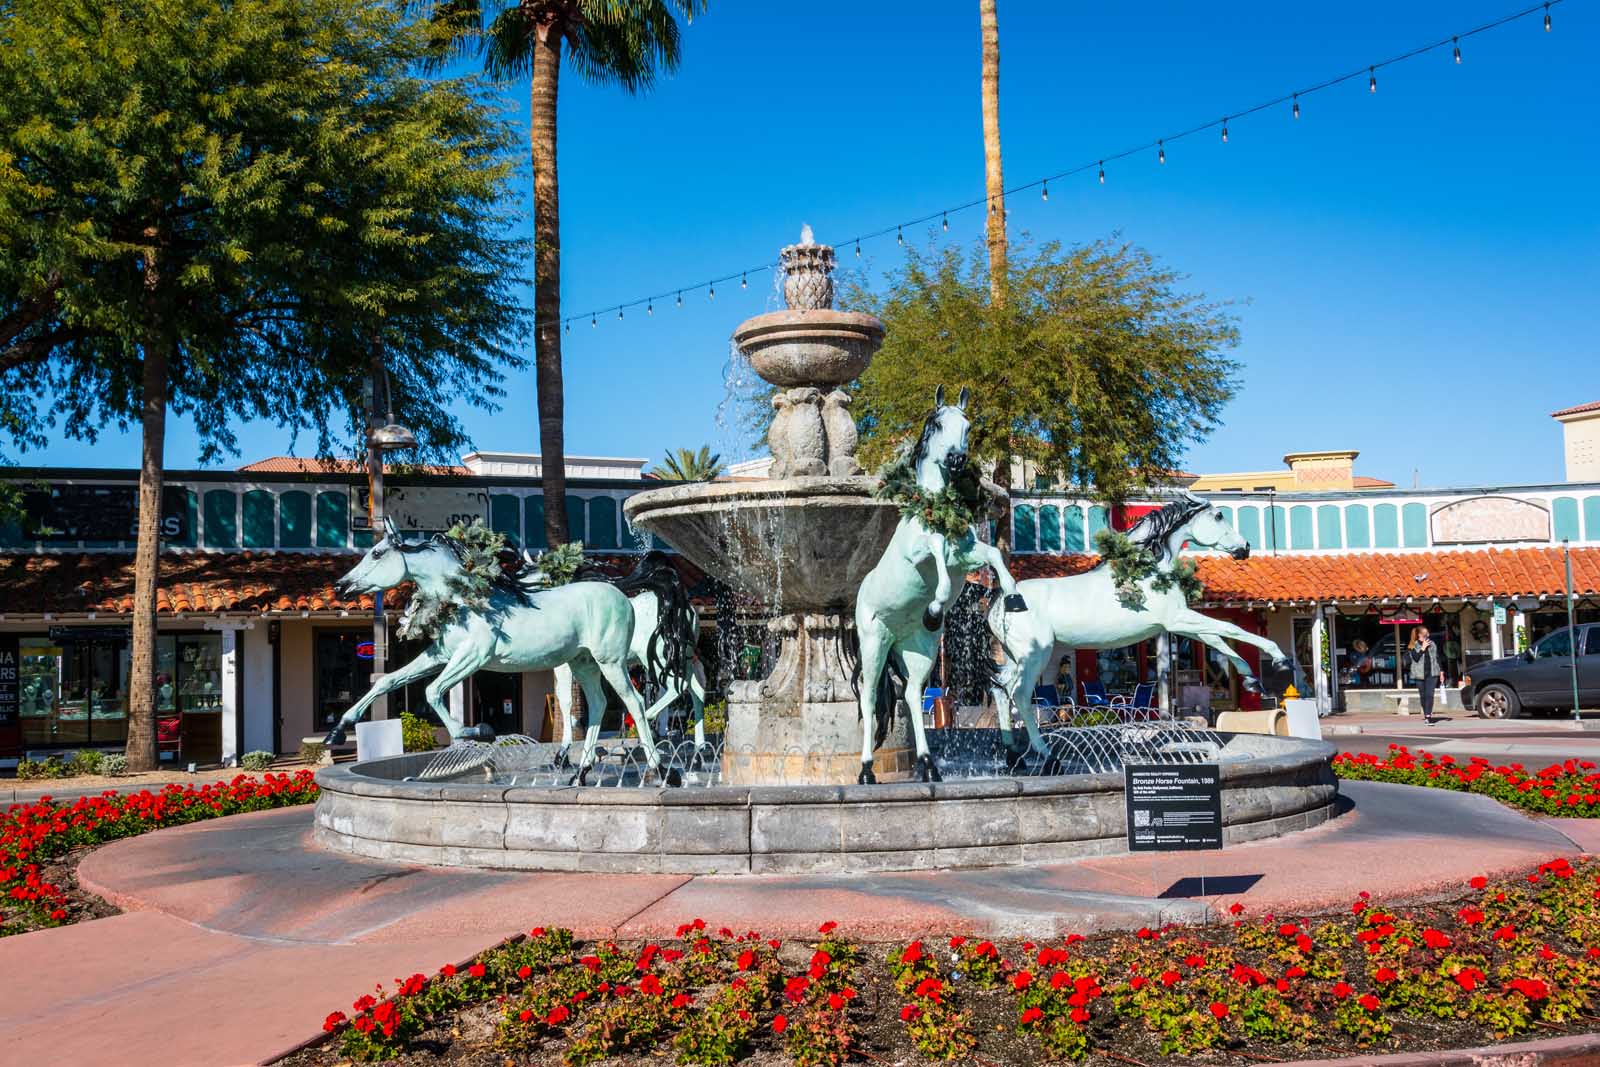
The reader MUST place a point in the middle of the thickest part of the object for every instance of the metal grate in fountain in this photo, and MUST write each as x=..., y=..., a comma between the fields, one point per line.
x=460, y=758
x=1108, y=748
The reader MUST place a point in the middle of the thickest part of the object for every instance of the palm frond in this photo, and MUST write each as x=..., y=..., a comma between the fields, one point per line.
x=508, y=45
x=627, y=43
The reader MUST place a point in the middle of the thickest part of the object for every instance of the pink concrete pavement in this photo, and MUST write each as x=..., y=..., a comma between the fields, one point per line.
x=241, y=936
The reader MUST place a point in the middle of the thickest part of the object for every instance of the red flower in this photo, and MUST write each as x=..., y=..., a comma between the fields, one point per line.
x=683, y=1000
x=1342, y=990
x=537, y=931
x=1059, y=979
x=1436, y=939
x=649, y=985
x=1080, y=1015
x=826, y=928
x=1169, y=978
x=524, y=972
x=524, y=1015
x=1303, y=943
x=1031, y=1015
x=909, y=1012
x=1506, y=933
x=558, y=1015
x=1468, y=978
x=332, y=1022
x=835, y=1001
x=1194, y=961
x=1532, y=988
x=449, y=970
x=1235, y=908
x=780, y=1023
x=1021, y=980
x=1369, y=1002
x=1288, y=930
x=930, y=988
x=795, y=989
x=1219, y=1009
x=1478, y=882
x=1470, y=916
x=913, y=953
x=1138, y=982
x=1145, y=933
x=1384, y=974
x=746, y=958
x=477, y=970
x=957, y=941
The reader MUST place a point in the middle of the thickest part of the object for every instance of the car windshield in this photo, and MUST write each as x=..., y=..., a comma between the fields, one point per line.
x=1557, y=644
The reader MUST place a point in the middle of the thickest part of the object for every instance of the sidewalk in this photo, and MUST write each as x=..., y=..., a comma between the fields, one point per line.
x=241, y=936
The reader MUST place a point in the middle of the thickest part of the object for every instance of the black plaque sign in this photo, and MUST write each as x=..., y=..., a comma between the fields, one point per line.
x=1173, y=807
x=68, y=513
x=10, y=680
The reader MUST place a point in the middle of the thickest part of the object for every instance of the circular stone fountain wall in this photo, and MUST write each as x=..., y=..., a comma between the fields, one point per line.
x=1271, y=786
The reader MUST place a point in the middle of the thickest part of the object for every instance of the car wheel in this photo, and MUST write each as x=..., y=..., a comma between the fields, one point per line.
x=1499, y=702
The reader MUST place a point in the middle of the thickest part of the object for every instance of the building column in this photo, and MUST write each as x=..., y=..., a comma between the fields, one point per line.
x=1319, y=665
x=1332, y=614
x=231, y=718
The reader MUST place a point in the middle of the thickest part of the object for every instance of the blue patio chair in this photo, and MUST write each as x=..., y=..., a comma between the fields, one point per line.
x=929, y=696
x=1144, y=696
x=1046, y=696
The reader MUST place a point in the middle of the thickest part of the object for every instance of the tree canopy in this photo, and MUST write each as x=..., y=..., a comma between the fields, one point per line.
x=1096, y=365
x=689, y=465
x=267, y=189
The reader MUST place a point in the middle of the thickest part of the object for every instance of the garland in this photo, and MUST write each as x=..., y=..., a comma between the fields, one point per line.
x=479, y=549
x=952, y=511
x=559, y=565
x=1133, y=564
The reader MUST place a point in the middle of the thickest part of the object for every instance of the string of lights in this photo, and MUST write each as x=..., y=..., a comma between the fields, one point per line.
x=1098, y=164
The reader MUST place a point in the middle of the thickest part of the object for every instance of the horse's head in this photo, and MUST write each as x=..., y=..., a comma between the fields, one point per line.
x=383, y=567
x=943, y=443
x=1208, y=527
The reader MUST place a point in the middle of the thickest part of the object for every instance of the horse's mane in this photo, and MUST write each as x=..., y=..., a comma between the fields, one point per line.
x=506, y=583
x=1153, y=530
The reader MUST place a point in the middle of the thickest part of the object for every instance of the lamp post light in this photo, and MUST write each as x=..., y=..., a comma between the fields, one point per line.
x=383, y=435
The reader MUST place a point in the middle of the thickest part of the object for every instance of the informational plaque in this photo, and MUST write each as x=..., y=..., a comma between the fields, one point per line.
x=10, y=679
x=1173, y=807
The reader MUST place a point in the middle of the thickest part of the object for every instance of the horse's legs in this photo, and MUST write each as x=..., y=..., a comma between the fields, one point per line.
x=617, y=674
x=430, y=660
x=991, y=556
x=1240, y=664
x=563, y=690
x=465, y=662
x=594, y=698
x=876, y=644
x=918, y=658
x=1199, y=626
x=697, y=696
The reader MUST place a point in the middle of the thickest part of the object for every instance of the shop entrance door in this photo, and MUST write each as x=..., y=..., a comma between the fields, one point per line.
x=497, y=700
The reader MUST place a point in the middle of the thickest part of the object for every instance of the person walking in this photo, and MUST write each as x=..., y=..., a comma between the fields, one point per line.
x=1425, y=668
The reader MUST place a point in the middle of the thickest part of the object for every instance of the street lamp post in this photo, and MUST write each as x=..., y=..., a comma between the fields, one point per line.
x=383, y=435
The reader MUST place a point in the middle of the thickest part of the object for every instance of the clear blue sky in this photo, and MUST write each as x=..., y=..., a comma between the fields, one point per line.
x=1420, y=265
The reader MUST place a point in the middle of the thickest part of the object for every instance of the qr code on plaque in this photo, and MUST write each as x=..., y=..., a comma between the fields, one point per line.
x=1141, y=818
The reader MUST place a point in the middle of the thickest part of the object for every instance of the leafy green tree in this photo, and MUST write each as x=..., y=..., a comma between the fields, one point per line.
x=227, y=209
x=1095, y=366
x=687, y=465
x=607, y=42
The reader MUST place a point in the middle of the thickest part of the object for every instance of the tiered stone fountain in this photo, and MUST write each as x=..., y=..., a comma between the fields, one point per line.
x=800, y=543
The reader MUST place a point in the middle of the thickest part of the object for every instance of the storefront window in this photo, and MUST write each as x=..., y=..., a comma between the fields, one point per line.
x=1367, y=643
x=344, y=672
x=93, y=703
x=40, y=687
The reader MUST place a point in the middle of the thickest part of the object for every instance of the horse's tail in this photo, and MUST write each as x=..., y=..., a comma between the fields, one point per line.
x=890, y=684
x=670, y=652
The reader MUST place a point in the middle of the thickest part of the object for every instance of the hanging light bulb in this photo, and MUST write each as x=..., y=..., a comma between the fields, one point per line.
x=744, y=282
x=1224, y=130
x=650, y=308
x=711, y=290
x=947, y=223
x=858, y=248
x=1547, y=18
x=1102, y=172
x=569, y=327
x=1044, y=194
x=1296, y=105
x=1161, y=151
x=593, y=322
x=1372, y=80
x=899, y=235
x=1456, y=41
x=619, y=314
x=680, y=298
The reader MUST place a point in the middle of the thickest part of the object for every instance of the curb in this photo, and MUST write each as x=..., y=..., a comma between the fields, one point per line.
x=1576, y=1050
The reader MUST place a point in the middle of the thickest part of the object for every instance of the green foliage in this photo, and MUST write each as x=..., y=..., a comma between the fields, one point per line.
x=416, y=733
x=559, y=565
x=311, y=752
x=687, y=465
x=114, y=765
x=47, y=768
x=266, y=190
x=951, y=511
x=480, y=548
x=259, y=760
x=1096, y=367
x=87, y=761
x=1132, y=564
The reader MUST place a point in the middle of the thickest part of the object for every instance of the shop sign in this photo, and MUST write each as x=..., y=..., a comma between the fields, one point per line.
x=415, y=508
x=364, y=650
x=10, y=679
x=67, y=634
x=1173, y=807
x=1499, y=614
x=67, y=514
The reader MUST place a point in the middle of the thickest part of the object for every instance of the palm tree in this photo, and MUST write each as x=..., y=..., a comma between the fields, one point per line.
x=608, y=42
x=684, y=465
x=994, y=187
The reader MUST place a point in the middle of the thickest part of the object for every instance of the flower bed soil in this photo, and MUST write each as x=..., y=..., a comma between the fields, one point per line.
x=1570, y=789
x=1517, y=958
x=42, y=841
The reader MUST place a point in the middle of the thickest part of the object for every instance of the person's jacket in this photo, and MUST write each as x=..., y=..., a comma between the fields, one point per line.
x=1423, y=662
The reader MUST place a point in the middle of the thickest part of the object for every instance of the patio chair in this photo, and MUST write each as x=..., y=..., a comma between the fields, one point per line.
x=1095, y=696
x=1143, y=706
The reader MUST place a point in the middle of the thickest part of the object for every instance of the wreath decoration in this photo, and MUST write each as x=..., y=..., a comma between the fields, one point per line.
x=952, y=511
x=1480, y=630
x=486, y=561
x=1133, y=564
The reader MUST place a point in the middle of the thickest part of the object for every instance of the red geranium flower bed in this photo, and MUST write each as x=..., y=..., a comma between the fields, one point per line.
x=1515, y=957
x=1571, y=788
x=34, y=835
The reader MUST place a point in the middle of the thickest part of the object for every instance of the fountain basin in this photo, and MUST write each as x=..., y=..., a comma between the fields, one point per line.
x=1271, y=786
x=795, y=544
x=815, y=347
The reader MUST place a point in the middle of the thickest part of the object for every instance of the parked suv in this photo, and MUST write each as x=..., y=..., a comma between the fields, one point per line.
x=1540, y=677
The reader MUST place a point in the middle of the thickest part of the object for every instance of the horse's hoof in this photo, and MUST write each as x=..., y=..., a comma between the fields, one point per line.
x=580, y=778
x=335, y=737
x=672, y=778
x=1250, y=684
x=932, y=620
x=1014, y=602
x=927, y=770
x=562, y=760
x=866, y=777
x=481, y=732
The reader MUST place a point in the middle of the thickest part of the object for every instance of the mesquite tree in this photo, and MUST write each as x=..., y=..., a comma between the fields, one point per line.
x=1095, y=365
x=225, y=209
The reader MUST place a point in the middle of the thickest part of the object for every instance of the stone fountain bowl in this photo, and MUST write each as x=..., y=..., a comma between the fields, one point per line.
x=798, y=544
x=818, y=347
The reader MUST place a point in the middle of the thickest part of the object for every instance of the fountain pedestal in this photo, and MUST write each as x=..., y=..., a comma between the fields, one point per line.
x=801, y=724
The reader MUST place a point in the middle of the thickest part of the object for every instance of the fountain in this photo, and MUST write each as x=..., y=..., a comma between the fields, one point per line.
x=799, y=543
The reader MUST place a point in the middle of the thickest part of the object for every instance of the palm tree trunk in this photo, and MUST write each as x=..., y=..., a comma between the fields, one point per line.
x=993, y=177
x=994, y=187
x=141, y=743
x=547, y=281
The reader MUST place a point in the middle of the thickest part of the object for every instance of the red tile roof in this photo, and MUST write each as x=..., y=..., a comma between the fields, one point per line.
x=300, y=465
x=1465, y=574
x=248, y=583
x=1362, y=481
x=1593, y=405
